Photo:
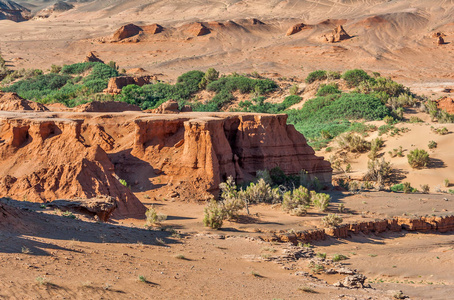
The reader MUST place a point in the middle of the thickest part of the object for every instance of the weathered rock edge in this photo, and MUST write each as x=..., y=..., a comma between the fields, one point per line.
x=438, y=224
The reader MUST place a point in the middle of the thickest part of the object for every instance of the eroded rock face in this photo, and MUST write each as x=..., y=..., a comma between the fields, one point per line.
x=110, y=106
x=117, y=83
x=46, y=159
x=11, y=102
x=126, y=31
x=296, y=28
x=184, y=156
x=92, y=57
x=197, y=29
x=102, y=207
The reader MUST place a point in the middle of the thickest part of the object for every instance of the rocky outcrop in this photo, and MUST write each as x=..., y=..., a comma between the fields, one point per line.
x=92, y=57
x=11, y=102
x=212, y=146
x=58, y=164
x=296, y=28
x=169, y=107
x=101, y=207
x=446, y=104
x=439, y=224
x=440, y=41
x=153, y=28
x=13, y=11
x=108, y=106
x=117, y=83
x=197, y=29
x=125, y=32
x=337, y=35
x=183, y=156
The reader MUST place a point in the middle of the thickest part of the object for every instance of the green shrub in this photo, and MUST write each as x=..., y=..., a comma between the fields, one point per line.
x=213, y=215
x=339, y=257
x=388, y=120
x=261, y=192
x=316, y=75
x=78, y=68
x=321, y=201
x=379, y=170
x=354, y=77
x=153, y=217
x=353, y=142
x=333, y=75
x=332, y=220
x=403, y=187
x=328, y=89
x=425, y=188
x=432, y=145
x=297, y=201
x=418, y=158
x=333, y=112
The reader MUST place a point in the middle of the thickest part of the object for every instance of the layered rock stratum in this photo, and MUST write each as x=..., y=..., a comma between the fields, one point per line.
x=63, y=155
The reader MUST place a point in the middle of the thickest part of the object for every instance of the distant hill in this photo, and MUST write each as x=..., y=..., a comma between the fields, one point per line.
x=10, y=10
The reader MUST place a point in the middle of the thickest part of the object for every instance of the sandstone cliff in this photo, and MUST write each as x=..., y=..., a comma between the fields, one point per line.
x=49, y=156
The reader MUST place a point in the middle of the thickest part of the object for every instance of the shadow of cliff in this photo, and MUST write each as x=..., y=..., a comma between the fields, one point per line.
x=28, y=228
x=135, y=171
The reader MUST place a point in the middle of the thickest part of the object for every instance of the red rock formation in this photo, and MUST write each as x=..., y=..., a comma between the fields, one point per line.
x=197, y=29
x=182, y=155
x=446, y=104
x=440, y=41
x=153, y=28
x=108, y=106
x=117, y=83
x=91, y=57
x=11, y=101
x=125, y=32
x=338, y=34
x=296, y=28
x=58, y=165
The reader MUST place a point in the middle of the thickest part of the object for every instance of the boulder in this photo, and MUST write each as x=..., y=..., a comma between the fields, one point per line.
x=338, y=34
x=353, y=282
x=446, y=104
x=92, y=57
x=126, y=31
x=117, y=83
x=440, y=41
x=12, y=101
x=197, y=29
x=153, y=29
x=295, y=29
x=102, y=207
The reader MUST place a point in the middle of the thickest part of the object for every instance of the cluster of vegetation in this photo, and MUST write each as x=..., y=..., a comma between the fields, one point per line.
x=259, y=105
x=271, y=187
x=323, y=118
x=70, y=85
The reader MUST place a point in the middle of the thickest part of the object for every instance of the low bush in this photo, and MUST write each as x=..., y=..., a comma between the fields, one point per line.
x=153, y=217
x=355, y=77
x=297, y=201
x=403, y=187
x=379, y=170
x=328, y=89
x=214, y=215
x=432, y=145
x=316, y=75
x=321, y=201
x=332, y=220
x=418, y=158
